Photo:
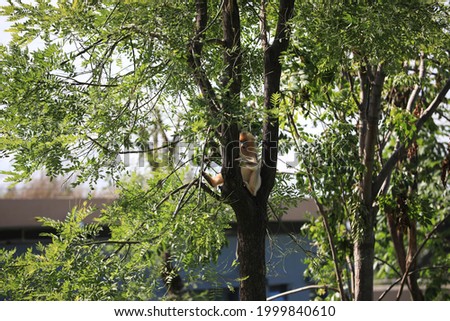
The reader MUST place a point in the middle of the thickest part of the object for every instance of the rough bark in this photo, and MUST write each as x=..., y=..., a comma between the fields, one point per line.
x=251, y=231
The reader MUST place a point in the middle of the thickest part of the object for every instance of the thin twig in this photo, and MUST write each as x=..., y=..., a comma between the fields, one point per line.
x=181, y=202
x=412, y=272
x=324, y=215
x=168, y=145
x=305, y=288
x=211, y=192
x=410, y=263
x=84, y=50
x=388, y=264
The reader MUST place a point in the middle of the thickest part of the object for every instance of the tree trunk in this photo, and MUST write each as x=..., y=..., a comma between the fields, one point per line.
x=363, y=252
x=416, y=292
x=364, y=246
x=251, y=231
x=251, y=212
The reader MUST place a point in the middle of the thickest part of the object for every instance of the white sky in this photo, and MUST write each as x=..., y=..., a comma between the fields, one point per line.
x=4, y=39
x=4, y=36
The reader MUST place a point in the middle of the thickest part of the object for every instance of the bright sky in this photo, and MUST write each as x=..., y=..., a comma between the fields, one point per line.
x=4, y=36
x=4, y=39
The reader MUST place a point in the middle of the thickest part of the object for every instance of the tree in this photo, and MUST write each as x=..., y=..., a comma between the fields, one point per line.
x=251, y=212
x=107, y=70
x=110, y=76
x=376, y=76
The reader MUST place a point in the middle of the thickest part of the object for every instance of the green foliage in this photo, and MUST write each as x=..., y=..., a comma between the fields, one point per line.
x=108, y=76
x=381, y=31
x=417, y=196
x=69, y=268
x=83, y=83
x=403, y=123
x=78, y=264
x=331, y=42
x=179, y=223
x=69, y=109
x=163, y=218
x=105, y=71
x=329, y=173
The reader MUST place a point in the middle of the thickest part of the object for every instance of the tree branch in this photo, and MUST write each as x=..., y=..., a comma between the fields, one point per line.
x=370, y=143
x=272, y=74
x=230, y=97
x=195, y=54
x=263, y=24
x=232, y=76
x=168, y=145
x=417, y=87
x=305, y=288
x=410, y=273
x=410, y=263
x=337, y=270
x=363, y=108
x=388, y=264
x=395, y=157
x=105, y=149
x=81, y=52
x=182, y=201
x=211, y=192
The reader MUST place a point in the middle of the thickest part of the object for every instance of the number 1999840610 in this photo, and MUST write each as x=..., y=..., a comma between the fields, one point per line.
x=299, y=311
